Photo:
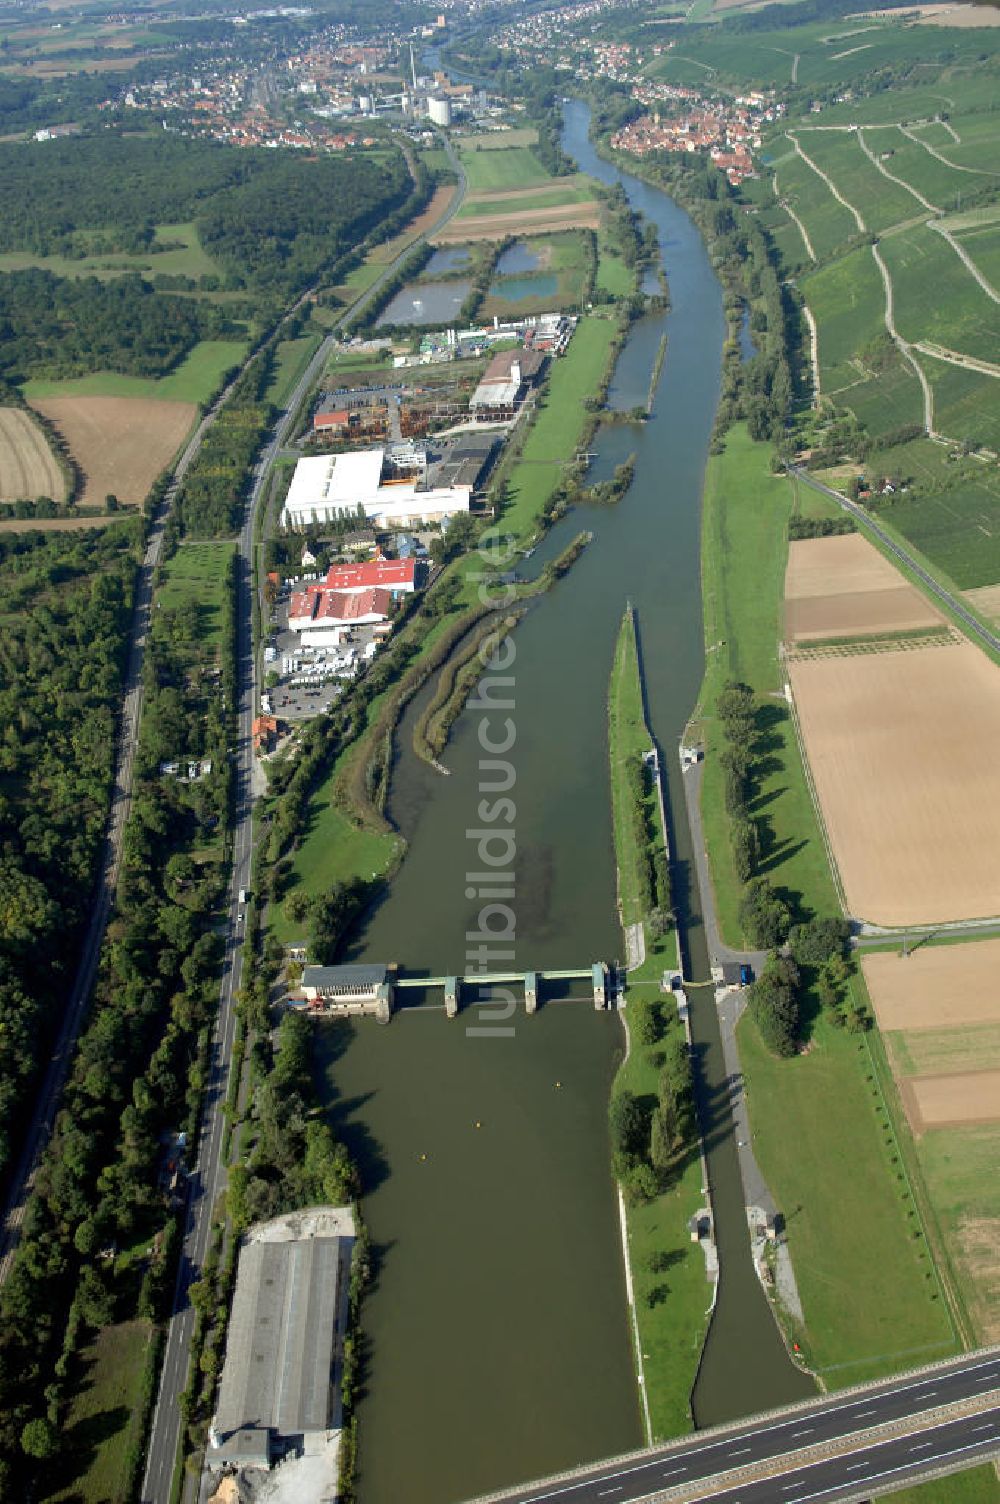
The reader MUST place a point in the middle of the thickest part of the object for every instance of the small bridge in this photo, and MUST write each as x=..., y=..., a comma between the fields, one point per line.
x=598, y=974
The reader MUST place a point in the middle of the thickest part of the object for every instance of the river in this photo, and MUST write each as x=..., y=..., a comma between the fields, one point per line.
x=497, y=1338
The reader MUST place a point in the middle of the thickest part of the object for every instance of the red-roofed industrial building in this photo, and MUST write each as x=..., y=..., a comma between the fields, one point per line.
x=400, y=576
x=323, y=616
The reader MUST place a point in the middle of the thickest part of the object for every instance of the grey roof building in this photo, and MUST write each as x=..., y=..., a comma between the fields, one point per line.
x=276, y=1382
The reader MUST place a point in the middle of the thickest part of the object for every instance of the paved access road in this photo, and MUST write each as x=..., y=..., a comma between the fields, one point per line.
x=209, y=1177
x=977, y=629
x=911, y=1398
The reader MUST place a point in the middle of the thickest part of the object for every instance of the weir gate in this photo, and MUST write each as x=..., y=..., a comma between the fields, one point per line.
x=598, y=974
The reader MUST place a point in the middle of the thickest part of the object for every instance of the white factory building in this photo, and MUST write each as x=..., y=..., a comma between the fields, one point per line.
x=327, y=486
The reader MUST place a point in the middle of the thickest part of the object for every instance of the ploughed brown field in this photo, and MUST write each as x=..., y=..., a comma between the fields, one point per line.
x=586, y=216
x=843, y=587
x=28, y=468
x=120, y=443
x=945, y=1101
x=935, y=986
x=903, y=752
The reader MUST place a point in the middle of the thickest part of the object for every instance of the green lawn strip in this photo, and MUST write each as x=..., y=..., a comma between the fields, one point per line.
x=959, y=1169
x=196, y=575
x=979, y=1485
x=196, y=379
x=558, y=425
x=672, y=1328
x=184, y=258
x=629, y=741
x=828, y=1150
x=104, y=1413
x=744, y=549
x=291, y=358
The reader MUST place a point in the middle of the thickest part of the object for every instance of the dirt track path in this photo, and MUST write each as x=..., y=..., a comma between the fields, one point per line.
x=956, y=358
x=967, y=260
x=873, y=159
x=902, y=346
x=829, y=183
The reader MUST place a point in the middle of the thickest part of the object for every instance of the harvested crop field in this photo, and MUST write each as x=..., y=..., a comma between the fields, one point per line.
x=935, y=986
x=985, y=600
x=901, y=746
x=842, y=586
x=28, y=468
x=948, y=1101
x=585, y=216
x=120, y=443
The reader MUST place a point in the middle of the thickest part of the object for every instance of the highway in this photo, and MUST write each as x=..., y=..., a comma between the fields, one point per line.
x=977, y=629
x=47, y=1100
x=845, y=1428
x=208, y=1178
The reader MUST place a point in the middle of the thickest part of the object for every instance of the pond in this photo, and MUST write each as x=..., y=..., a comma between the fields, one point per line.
x=426, y=303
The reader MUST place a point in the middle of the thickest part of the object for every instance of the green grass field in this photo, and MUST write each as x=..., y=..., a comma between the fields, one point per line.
x=853, y=1230
x=196, y=379
x=186, y=258
x=979, y=1485
x=197, y=574
x=936, y=297
x=955, y=523
x=555, y=434
x=959, y=1168
x=672, y=1330
x=489, y=171
x=291, y=358
x=103, y=1417
x=744, y=548
x=332, y=850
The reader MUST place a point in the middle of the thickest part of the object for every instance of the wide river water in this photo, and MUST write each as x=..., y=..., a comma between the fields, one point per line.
x=497, y=1334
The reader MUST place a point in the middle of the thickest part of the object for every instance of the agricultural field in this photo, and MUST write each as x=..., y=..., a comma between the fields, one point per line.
x=828, y=224
x=966, y=403
x=509, y=220
x=28, y=468
x=982, y=243
x=291, y=358
x=848, y=302
x=843, y=587
x=121, y=444
x=880, y=202
x=939, y=1011
x=897, y=739
x=941, y=185
x=936, y=298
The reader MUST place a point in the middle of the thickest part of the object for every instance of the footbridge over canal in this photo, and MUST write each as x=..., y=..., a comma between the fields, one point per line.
x=598, y=974
x=855, y=1445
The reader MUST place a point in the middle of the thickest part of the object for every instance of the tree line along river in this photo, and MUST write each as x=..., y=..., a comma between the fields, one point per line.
x=496, y=1334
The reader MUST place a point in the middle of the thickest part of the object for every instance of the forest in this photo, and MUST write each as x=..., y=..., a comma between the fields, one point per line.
x=271, y=219
x=97, y=1239
x=67, y=326
x=65, y=602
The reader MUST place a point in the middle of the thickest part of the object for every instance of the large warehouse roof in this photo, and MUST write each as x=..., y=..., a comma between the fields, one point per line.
x=279, y=1351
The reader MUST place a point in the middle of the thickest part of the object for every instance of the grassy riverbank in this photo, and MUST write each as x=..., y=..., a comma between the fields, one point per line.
x=671, y=1292
x=854, y=1230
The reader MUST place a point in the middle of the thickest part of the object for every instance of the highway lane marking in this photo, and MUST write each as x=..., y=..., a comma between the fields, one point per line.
x=605, y=1491
x=853, y=1466
x=739, y=1451
x=804, y=1432
x=921, y=1446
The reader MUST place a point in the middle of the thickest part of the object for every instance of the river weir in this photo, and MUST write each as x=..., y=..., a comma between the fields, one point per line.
x=497, y=1340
